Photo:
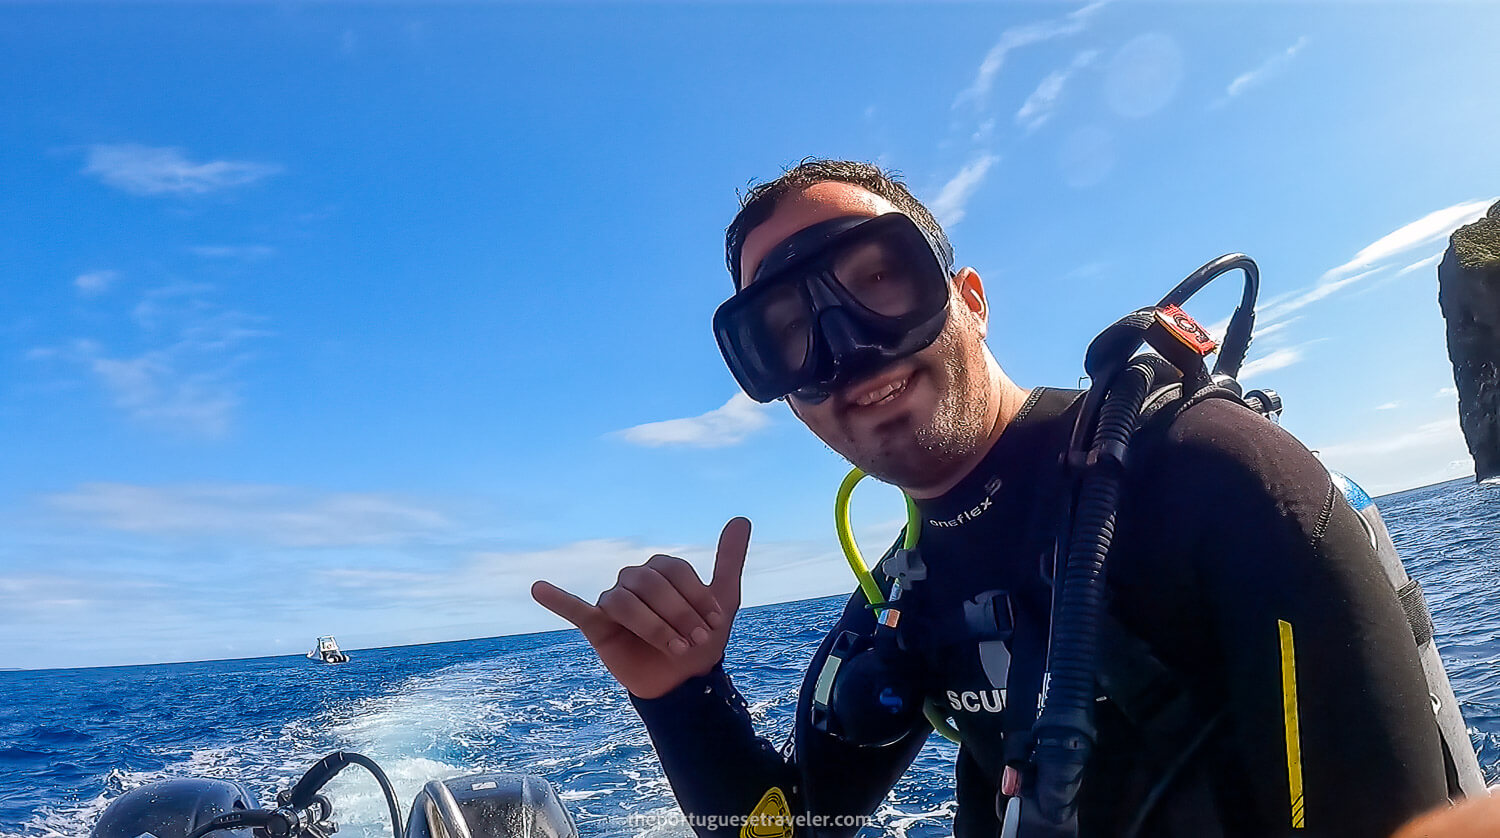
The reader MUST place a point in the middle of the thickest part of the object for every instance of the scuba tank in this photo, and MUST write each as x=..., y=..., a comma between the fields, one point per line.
x=1465, y=778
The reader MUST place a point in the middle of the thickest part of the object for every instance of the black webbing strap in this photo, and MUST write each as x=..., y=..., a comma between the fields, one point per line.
x=1417, y=615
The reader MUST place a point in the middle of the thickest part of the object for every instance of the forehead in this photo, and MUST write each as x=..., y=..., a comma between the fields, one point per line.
x=804, y=208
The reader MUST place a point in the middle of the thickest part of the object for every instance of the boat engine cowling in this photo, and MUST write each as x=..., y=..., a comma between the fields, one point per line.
x=490, y=806
x=173, y=809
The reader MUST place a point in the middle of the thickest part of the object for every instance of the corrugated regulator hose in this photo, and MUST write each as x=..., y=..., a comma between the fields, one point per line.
x=1064, y=732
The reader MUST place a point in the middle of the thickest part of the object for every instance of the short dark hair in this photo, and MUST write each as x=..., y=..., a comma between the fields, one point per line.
x=759, y=202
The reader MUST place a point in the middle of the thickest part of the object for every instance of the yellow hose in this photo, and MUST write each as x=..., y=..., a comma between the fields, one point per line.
x=845, y=532
x=867, y=584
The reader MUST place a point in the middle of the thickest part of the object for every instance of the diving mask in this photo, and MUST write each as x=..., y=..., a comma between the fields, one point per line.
x=834, y=303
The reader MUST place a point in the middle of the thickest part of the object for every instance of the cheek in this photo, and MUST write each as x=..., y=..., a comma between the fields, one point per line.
x=817, y=417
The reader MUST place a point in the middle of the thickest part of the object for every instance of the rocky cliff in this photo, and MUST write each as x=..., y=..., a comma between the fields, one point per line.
x=1469, y=294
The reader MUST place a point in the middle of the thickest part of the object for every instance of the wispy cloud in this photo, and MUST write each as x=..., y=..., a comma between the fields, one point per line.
x=1015, y=38
x=1388, y=406
x=739, y=417
x=1429, y=262
x=1276, y=360
x=247, y=252
x=1426, y=434
x=148, y=170
x=94, y=283
x=1430, y=228
x=1039, y=106
x=1381, y=255
x=1427, y=453
x=273, y=515
x=1267, y=69
x=185, y=380
x=952, y=200
x=155, y=388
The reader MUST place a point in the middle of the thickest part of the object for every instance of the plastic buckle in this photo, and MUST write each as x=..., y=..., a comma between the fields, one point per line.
x=989, y=616
x=905, y=566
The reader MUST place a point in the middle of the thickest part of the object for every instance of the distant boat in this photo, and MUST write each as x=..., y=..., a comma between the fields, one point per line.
x=327, y=650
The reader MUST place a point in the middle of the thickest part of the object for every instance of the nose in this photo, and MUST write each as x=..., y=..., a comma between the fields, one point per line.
x=849, y=349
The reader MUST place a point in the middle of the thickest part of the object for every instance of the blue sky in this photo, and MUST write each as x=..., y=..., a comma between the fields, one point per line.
x=357, y=319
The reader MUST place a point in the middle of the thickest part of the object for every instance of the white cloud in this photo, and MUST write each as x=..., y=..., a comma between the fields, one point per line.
x=1017, y=37
x=147, y=170
x=1279, y=359
x=1267, y=70
x=154, y=387
x=950, y=204
x=1429, y=262
x=1261, y=333
x=273, y=515
x=1379, y=255
x=723, y=426
x=1430, y=228
x=246, y=252
x=1038, y=107
x=1446, y=392
x=1388, y=406
x=184, y=380
x=1428, y=453
x=94, y=283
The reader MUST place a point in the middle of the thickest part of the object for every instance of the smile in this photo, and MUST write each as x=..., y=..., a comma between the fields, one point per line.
x=883, y=393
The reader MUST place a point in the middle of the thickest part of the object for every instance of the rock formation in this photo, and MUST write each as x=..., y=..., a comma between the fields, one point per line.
x=1469, y=294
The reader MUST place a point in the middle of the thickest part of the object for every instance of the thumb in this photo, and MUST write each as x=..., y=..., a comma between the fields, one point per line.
x=564, y=604
x=729, y=564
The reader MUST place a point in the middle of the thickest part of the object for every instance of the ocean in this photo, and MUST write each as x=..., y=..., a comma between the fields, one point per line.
x=72, y=740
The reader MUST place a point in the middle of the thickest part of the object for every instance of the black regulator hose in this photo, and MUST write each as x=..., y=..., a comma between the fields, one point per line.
x=1064, y=732
x=1241, y=323
x=305, y=791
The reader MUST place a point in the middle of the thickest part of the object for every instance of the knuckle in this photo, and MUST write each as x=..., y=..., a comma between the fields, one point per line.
x=664, y=564
x=610, y=599
x=628, y=575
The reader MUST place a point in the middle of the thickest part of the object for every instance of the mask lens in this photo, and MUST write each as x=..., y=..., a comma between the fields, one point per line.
x=771, y=330
x=885, y=278
x=784, y=320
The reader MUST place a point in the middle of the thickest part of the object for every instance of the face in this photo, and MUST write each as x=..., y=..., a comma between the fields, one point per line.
x=917, y=421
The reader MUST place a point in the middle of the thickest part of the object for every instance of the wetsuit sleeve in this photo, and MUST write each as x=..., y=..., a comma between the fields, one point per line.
x=721, y=772
x=1331, y=728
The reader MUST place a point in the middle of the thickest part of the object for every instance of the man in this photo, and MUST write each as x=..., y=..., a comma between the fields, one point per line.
x=1229, y=531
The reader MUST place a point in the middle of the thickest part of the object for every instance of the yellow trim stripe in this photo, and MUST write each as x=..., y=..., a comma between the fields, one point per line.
x=1293, y=730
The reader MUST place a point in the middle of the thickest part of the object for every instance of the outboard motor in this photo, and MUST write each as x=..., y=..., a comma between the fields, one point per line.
x=489, y=806
x=173, y=809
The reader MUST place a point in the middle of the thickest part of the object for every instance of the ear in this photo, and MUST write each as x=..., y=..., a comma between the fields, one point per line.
x=969, y=289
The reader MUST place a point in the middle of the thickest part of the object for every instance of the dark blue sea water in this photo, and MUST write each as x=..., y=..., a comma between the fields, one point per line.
x=72, y=740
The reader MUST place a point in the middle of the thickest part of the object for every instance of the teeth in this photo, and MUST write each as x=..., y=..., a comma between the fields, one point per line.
x=881, y=394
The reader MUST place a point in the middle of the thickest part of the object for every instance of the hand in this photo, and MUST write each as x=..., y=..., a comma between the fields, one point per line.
x=660, y=625
x=1476, y=817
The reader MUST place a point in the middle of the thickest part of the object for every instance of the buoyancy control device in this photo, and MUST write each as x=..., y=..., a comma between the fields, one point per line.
x=1128, y=388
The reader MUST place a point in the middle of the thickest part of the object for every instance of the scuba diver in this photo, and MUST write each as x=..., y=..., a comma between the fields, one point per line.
x=1247, y=670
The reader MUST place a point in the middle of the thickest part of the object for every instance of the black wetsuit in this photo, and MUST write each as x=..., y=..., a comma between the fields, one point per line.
x=1229, y=528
